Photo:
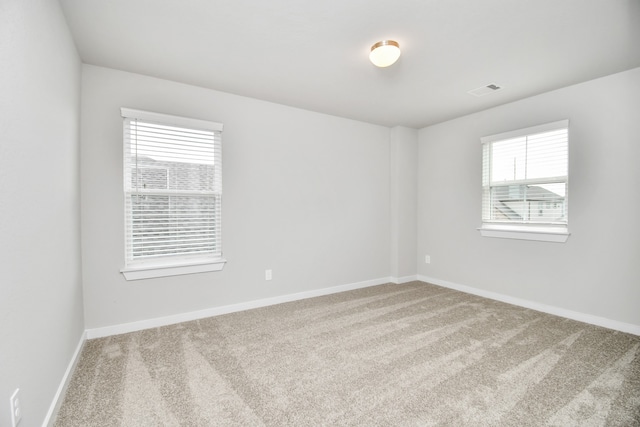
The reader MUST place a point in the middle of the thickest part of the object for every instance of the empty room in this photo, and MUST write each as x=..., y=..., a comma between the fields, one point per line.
x=292, y=213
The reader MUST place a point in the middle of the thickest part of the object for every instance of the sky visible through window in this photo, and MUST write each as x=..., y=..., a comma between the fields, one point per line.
x=172, y=144
x=535, y=157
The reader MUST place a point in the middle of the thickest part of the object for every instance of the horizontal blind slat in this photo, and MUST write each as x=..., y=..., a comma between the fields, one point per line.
x=525, y=178
x=173, y=185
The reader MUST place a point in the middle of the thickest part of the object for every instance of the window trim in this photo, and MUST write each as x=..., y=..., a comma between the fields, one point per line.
x=537, y=233
x=170, y=265
x=557, y=233
x=148, y=271
x=170, y=119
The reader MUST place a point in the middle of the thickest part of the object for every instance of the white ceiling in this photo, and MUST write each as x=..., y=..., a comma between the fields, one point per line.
x=314, y=54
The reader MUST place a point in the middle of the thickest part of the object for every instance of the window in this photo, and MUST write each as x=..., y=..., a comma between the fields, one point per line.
x=525, y=183
x=172, y=191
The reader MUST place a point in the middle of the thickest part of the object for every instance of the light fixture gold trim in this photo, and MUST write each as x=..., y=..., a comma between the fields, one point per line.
x=384, y=53
x=385, y=43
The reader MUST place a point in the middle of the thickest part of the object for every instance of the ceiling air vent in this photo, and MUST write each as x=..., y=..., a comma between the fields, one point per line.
x=485, y=90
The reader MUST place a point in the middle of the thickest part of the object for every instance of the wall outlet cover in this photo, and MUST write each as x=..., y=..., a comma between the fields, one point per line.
x=16, y=410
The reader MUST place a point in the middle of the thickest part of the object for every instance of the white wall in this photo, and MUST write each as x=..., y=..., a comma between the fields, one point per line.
x=41, y=317
x=597, y=272
x=403, y=160
x=305, y=194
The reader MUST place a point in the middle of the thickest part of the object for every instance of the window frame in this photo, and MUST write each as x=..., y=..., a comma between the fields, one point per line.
x=173, y=264
x=540, y=231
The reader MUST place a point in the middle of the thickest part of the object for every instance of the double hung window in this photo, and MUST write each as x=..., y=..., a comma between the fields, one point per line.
x=172, y=192
x=525, y=184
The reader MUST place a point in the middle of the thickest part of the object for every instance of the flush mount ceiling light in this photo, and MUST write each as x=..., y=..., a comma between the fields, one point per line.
x=384, y=53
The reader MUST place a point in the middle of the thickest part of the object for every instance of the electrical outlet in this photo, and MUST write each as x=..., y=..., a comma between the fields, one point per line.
x=268, y=275
x=16, y=411
x=427, y=259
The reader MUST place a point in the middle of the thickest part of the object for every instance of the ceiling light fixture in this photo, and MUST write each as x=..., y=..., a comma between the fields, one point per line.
x=384, y=53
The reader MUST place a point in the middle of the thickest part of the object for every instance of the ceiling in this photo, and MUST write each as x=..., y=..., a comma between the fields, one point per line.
x=314, y=54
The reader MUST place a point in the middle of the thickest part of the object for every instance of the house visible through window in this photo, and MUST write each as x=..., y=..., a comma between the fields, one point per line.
x=172, y=190
x=525, y=183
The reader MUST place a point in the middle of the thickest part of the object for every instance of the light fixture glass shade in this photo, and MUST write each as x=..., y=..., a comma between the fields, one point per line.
x=384, y=53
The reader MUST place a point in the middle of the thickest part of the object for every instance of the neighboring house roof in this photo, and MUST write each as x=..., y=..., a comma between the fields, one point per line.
x=514, y=193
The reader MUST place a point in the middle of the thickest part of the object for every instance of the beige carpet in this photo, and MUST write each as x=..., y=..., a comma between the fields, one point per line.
x=390, y=355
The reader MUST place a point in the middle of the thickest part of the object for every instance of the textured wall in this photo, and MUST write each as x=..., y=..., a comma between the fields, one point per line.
x=403, y=158
x=305, y=194
x=41, y=315
x=596, y=272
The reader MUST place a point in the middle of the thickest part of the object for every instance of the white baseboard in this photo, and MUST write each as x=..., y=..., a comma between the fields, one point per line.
x=558, y=311
x=216, y=311
x=405, y=279
x=62, y=388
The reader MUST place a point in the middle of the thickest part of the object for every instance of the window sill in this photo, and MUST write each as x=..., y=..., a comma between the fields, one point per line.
x=148, y=271
x=541, y=234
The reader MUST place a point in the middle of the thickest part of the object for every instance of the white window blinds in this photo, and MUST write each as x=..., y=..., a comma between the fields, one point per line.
x=525, y=176
x=172, y=187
